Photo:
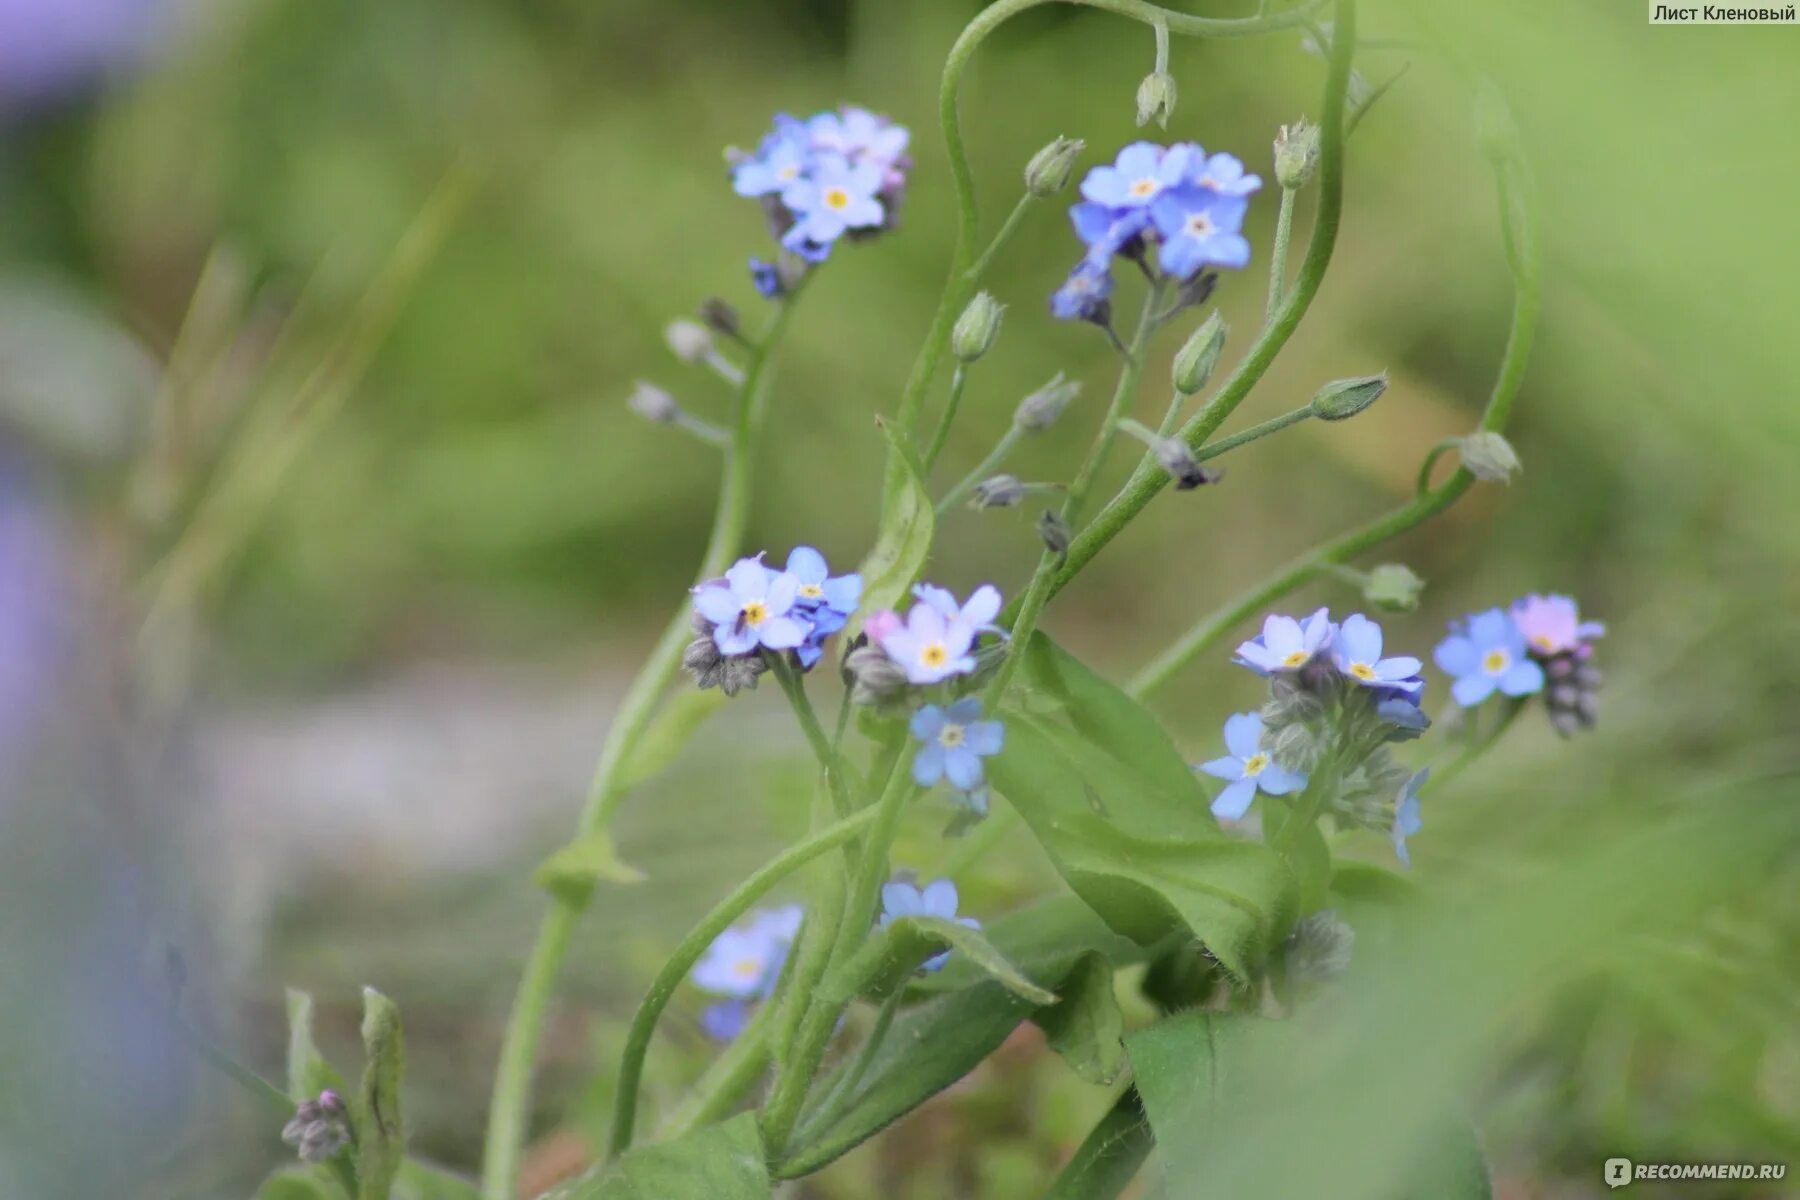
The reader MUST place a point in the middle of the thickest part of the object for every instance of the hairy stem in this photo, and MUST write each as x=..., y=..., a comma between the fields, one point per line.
x=691, y=947
x=1109, y=1157
x=508, y=1109
x=1278, y=253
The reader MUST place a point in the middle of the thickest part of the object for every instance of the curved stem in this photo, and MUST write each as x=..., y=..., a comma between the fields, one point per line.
x=1038, y=592
x=1519, y=219
x=983, y=469
x=1278, y=252
x=845, y=1089
x=1144, y=486
x=732, y=1074
x=688, y=952
x=507, y=1110
x=836, y=772
x=958, y=380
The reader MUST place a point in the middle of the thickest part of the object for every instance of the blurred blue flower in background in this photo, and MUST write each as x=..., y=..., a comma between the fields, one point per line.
x=50, y=48
x=903, y=898
x=1486, y=652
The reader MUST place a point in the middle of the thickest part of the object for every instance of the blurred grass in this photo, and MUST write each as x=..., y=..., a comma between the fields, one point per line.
x=486, y=492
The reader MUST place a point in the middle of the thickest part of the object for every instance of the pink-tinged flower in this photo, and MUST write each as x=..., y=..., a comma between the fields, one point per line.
x=750, y=607
x=1356, y=648
x=1285, y=644
x=882, y=623
x=978, y=614
x=931, y=647
x=1552, y=625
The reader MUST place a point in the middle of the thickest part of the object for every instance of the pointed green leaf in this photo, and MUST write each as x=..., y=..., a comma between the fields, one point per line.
x=574, y=870
x=718, y=1162
x=380, y=1130
x=889, y=958
x=308, y=1073
x=903, y=541
x=1095, y=818
x=1087, y=1026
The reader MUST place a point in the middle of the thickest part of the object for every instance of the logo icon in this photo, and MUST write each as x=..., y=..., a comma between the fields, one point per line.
x=1618, y=1172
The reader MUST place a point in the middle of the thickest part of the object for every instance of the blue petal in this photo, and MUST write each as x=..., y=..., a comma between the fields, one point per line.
x=1522, y=678
x=927, y=722
x=938, y=899
x=1243, y=733
x=1224, y=768
x=1235, y=800
x=807, y=565
x=963, y=767
x=928, y=765
x=965, y=710
x=1471, y=690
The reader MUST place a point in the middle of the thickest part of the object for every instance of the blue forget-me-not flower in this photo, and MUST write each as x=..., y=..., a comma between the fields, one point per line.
x=902, y=898
x=1248, y=768
x=955, y=740
x=1487, y=653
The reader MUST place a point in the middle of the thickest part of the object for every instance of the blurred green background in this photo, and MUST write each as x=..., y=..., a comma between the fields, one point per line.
x=376, y=716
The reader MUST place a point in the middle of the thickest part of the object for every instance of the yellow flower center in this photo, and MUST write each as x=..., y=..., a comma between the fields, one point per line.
x=1494, y=661
x=791, y=171
x=1295, y=659
x=1545, y=642
x=1255, y=763
x=1143, y=187
x=950, y=736
x=746, y=968
x=934, y=655
x=1362, y=671
x=755, y=613
x=837, y=197
x=811, y=591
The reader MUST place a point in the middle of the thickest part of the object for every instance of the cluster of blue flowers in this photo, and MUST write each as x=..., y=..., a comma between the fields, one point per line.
x=743, y=965
x=835, y=174
x=1333, y=691
x=1537, y=644
x=1189, y=204
x=755, y=607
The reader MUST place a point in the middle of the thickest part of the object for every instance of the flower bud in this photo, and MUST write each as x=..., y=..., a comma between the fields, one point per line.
x=879, y=678
x=1156, y=98
x=690, y=340
x=1296, y=154
x=1195, y=361
x=1488, y=457
x=1054, y=531
x=1179, y=461
x=1394, y=587
x=1319, y=949
x=653, y=404
x=1048, y=171
x=1039, y=410
x=977, y=328
x=720, y=316
x=1344, y=398
x=1000, y=491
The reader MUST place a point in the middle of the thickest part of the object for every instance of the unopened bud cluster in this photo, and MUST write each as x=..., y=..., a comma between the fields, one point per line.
x=320, y=1128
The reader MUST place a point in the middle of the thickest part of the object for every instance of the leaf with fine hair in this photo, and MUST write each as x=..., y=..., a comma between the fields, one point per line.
x=903, y=540
x=717, y=1162
x=308, y=1073
x=1095, y=818
x=376, y=1116
x=1086, y=1026
x=889, y=958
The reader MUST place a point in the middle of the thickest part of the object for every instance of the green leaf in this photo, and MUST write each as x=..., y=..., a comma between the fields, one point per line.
x=1111, y=720
x=930, y=1047
x=1044, y=940
x=308, y=1073
x=422, y=1181
x=719, y=1162
x=1096, y=820
x=1309, y=857
x=380, y=1130
x=903, y=540
x=675, y=725
x=572, y=871
x=887, y=960
x=1086, y=1026
x=299, y=1183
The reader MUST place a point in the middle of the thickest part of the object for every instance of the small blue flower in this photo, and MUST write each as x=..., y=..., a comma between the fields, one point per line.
x=1487, y=652
x=826, y=600
x=1107, y=231
x=744, y=961
x=1083, y=296
x=1222, y=173
x=1138, y=176
x=1200, y=228
x=782, y=159
x=1249, y=768
x=722, y=1022
x=835, y=197
x=750, y=607
x=956, y=740
x=860, y=135
x=1356, y=649
x=1406, y=814
x=766, y=277
x=1401, y=712
x=936, y=899
x=1285, y=644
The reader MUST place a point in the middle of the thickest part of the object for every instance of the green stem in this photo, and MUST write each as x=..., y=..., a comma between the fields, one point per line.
x=727, y=1080
x=1144, y=486
x=983, y=470
x=958, y=380
x=1278, y=253
x=1473, y=751
x=507, y=1113
x=789, y=1092
x=845, y=1088
x=1431, y=457
x=1111, y=1155
x=1519, y=217
x=836, y=772
x=1007, y=228
x=1261, y=430
x=688, y=952
x=1038, y=592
